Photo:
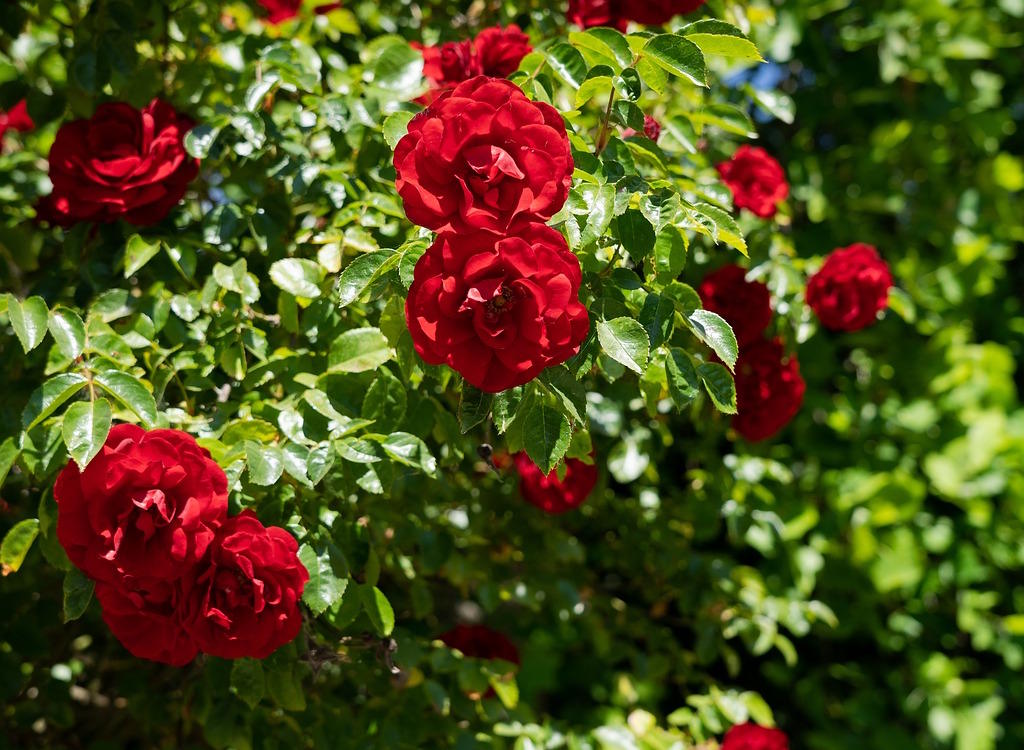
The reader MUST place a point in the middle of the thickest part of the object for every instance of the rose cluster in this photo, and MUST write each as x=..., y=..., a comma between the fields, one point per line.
x=496, y=52
x=122, y=163
x=147, y=521
x=496, y=296
x=618, y=13
x=769, y=388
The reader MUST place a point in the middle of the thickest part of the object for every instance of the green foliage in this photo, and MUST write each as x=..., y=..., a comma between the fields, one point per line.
x=856, y=581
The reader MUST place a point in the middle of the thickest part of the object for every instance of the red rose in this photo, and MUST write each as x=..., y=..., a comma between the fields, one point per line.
x=147, y=621
x=122, y=163
x=282, y=10
x=145, y=508
x=17, y=118
x=448, y=64
x=498, y=309
x=745, y=305
x=769, y=389
x=851, y=288
x=245, y=597
x=753, y=737
x=551, y=494
x=482, y=155
x=501, y=50
x=756, y=180
x=480, y=642
x=652, y=129
x=618, y=13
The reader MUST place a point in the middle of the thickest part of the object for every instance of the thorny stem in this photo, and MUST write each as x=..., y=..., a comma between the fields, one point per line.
x=602, y=136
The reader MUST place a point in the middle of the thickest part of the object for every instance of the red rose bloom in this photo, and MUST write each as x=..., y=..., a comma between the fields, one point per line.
x=17, y=118
x=147, y=621
x=769, y=390
x=498, y=309
x=757, y=181
x=448, y=64
x=745, y=305
x=482, y=155
x=652, y=129
x=245, y=597
x=146, y=507
x=618, y=13
x=282, y=10
x=551, y=494
x=480, y=642
x=501, y=50
x=122, y=163
x=753, y=737
x=851, y=288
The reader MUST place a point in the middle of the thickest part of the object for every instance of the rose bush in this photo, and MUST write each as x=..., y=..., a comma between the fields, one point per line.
x=357, y=351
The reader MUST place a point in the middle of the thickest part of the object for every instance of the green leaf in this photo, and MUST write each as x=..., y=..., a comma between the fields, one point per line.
x=683, y=381
x=131, y=393
x=8, y=455
x=359, y=350
x=720, y=226
x=474, y=406
x=714, y=331
x=199, y=140
x=78, y=590
x=669, y=254
x=297, y=276
x=635, y=233
x=546, y=434
x=506, y=689
x=625, y=341
x=720, y=386
x=28, y=319
x=247, y=681
x=358, y=275
x=568, y=63
x=398, y=68
x=396, y=126
x=678, y=56
x=266, y=464
x=614, y=41
x=16, y=545
x=68, y=331
x=137, y=253
x=506, y=406
x=716, y=37
x=324, y=588
x=410, y=450
x=385, y=401
x=658, y=318
x=85, y=428
x=378, y=609
x=48, y=397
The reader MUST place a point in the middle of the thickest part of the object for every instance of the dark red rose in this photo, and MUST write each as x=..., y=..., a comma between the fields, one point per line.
x=481, y=156
x=501, y=50
x=753, y=737
x=146, y=507
x=757, y=181
x=652, y=129
x=618, y=13
x=851, y=288
x=551, y=494
x=122, y=163
x=282, y=10
x=16, y=118
x=448, y=64
x=769, y=389
x=245, y=596
x=480, y=642
x=497, y=308
x=745, y=305
x=147, y=621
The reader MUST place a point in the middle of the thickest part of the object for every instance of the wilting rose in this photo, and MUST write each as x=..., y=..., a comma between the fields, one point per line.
x=17, y=119
x=282, y=10
x=147, y=620
x=851, y=288
x=745, y=305
x=122, y=163
x=618, y=13
x=551, y=494
x=481, y=156
x=753, y=737
x=245, y=597
x=769, y=389
x=146, y=508
x=757, y=181
x=497, y=308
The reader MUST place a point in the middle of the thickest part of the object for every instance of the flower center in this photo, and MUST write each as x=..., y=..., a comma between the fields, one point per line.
x=501, y=302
